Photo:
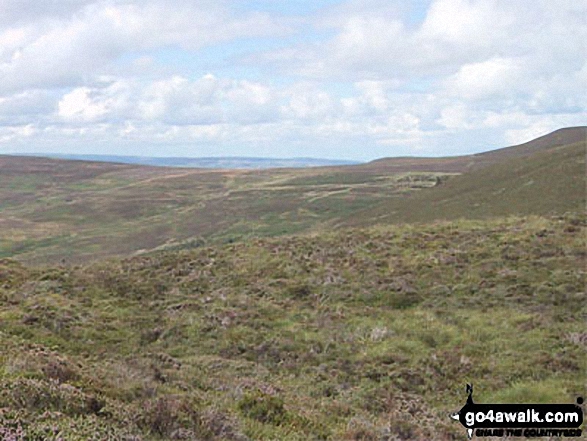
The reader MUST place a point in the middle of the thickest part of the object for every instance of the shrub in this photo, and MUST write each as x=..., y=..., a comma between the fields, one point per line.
x=265, y=408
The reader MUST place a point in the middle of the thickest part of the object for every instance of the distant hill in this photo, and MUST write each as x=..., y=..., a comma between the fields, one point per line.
x=212, y=162
x=82, y=210
x=52, y=209
x=544, y=176
x=205, y=327
x=461, y=164
x=558, y=138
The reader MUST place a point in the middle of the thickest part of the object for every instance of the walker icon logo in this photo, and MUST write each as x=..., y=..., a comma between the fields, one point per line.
x=527, y=420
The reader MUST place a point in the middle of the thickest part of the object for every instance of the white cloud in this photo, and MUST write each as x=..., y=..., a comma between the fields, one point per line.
x=530, y=35
x=64, y=51
x=467, y=23
x=308, y=102
x=173, y=101
x=496, y=77
x=30, y=11
x=247, y=102
x=111, y=102
x=362, y=78
x=178, y=100
x=506, y=119
x=207, y=100
x=10, y=42
x=455, y=116
x=78, y=105
x=23, y=107
x=16, y=133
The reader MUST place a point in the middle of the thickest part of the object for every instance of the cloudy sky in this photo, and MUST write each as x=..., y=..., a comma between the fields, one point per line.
x=348, y=79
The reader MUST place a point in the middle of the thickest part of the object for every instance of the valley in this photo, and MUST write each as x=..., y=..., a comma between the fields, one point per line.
x=330, y=303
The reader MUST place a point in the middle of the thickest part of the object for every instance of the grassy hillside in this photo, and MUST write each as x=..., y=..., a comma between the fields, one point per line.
x=350, y=335
x=551, y=141
x=549, y=181
x=52, y=209
x=469, y=163
x=217, y=329
x=78, y=211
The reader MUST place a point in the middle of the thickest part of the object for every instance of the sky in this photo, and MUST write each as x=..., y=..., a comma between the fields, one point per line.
x=339, y=79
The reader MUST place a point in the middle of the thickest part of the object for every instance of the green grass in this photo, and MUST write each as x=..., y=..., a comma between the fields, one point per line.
x=52, y=210
x=83, y=211
x=354, y=334
x=547, y=182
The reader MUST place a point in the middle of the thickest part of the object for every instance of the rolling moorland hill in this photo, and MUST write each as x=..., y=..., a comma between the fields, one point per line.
x=215, y=332
x=462, y=164
x=51, y=209
x=549, y=181
x=56, y=209
x=366, y=334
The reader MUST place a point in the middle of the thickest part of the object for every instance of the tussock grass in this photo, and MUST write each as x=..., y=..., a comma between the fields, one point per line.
x=349, y=335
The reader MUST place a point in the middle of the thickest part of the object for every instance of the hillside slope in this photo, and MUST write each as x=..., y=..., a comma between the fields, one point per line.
x=466, y=163
x=55, y=209
x=552, y=180
x=558, y=138
x=354, y=335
